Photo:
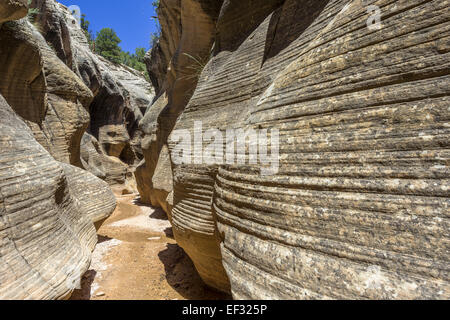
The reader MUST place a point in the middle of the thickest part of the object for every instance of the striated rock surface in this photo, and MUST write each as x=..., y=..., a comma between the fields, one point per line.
x=357, y=207
x=155, y=189
x=111, y=169
x=121, y=95
x=169, y=65
x=364, y=173
x=46, y=235
x=12, y=10
x=93, y=195
x=117, y=109
x=150, y=191
x=178, y=61
x=160, y=57
x=43, y=90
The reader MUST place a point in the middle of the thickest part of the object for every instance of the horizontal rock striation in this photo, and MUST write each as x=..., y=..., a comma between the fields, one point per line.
x=46, y=237
x=47, y=206
x=358, y=208
x=111, y=169
x=120, y=95
x=34, y=76
x=188, y=49
x=93, y=195
x=357, y=205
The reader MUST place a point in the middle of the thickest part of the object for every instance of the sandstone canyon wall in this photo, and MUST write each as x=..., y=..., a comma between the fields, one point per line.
x=111, y=147
x=62, y=110
x=358, y=207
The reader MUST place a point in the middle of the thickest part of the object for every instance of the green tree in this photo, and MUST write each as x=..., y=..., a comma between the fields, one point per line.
x=107, y=45
x=135, y=60
x=125, y=58
x=140, y=54
x=85, y=27
x=154, y=36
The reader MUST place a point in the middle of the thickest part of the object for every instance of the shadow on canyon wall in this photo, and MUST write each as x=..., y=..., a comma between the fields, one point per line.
x=182, y=276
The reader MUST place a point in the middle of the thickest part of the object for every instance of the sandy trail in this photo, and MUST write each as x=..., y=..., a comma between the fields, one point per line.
x=137, y=258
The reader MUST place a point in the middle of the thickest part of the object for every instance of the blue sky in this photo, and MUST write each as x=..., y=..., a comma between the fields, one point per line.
x=131, y=19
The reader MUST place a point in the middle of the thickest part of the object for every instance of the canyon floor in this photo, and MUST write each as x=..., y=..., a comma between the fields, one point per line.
x=137, y=258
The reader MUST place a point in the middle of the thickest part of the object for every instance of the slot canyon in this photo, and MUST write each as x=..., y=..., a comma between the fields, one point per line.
x=114, y=186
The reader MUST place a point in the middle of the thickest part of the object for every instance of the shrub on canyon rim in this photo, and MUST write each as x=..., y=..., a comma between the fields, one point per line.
x=107, y=45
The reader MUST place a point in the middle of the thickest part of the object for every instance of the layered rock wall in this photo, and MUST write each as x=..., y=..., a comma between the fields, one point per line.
x=357, y=205
x=12, y=10
x=47, y=233
x=48, y=206
x=176, y=58
x=120, y=96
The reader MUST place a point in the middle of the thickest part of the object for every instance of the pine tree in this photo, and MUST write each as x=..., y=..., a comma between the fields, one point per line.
x=85, y=26
x=107, y=45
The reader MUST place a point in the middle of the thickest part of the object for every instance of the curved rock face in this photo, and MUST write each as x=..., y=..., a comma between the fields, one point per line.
x=121, y=95
x=182, y=57
x=93, y=195
x=54, y=26
x=23, y=82
x=159, y=58
x=40, y=215
x=12, y=10
x=357, y=204
x=192, y=217
x=47, y=208
x=108, y=168
x=155, y=189
x=151, y=190
x=32, y=75
x=176, y=58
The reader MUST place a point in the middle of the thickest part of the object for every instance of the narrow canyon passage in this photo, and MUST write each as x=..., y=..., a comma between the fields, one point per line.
x=137, y=258
x=300, y=148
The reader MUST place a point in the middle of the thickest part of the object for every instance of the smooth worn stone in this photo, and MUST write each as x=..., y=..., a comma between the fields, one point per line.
x=46, y=223
x=121, y=95
x=358, y=205
x=12, y=10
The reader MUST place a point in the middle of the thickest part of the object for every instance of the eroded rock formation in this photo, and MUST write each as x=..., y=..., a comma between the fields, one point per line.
x=120, y=96
x=47, y=231
x=87, y=189
x=358, y=205
x=48, y=204
x=12, y=10
x=43, y=90
x=178, y=61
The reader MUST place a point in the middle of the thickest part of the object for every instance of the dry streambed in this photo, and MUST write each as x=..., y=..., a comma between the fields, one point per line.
x=137, y=258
